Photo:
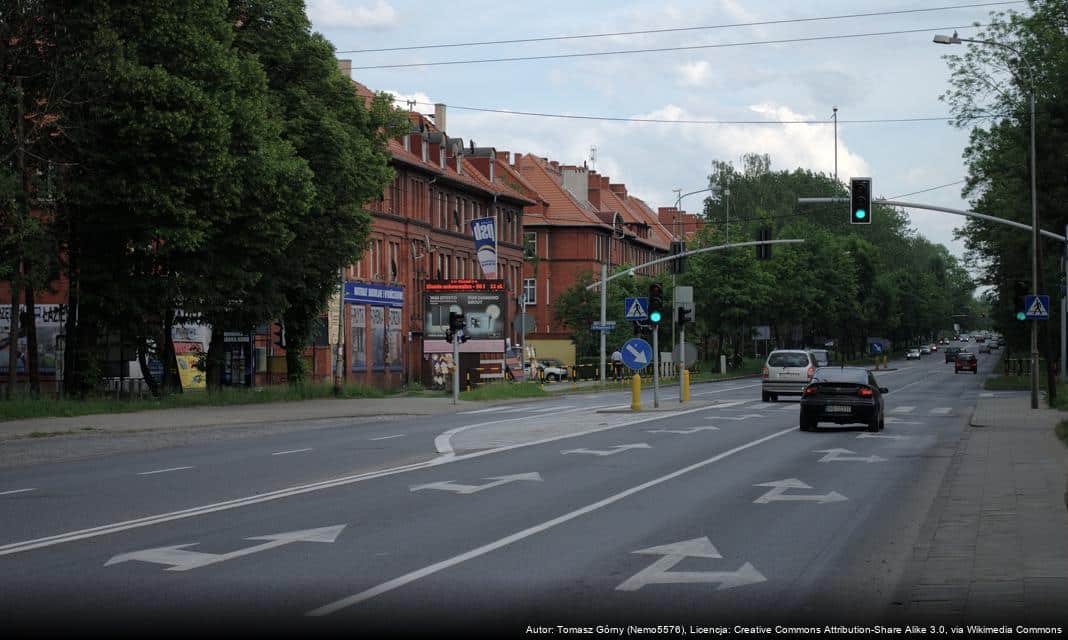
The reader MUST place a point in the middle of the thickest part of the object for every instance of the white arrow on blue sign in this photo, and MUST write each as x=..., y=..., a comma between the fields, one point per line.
x=636, y=308
x=637, y=354
x=1037, y=307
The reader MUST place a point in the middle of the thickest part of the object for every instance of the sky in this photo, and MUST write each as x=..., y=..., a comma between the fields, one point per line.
x=867, y=78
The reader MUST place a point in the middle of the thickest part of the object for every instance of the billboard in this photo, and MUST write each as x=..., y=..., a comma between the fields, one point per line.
x=49, y=319
x=483, y=304
x=485, y=232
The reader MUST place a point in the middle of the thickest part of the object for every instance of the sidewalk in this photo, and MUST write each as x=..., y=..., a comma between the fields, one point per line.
x=994, y=548
x=236, y=414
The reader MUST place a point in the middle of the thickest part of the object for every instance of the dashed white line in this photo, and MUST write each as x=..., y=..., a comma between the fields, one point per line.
x=282, y=453
x=148, y=473
x=905, y=409
x=399, y=435
x=497, y=408
x=13, y=491
x=941, y=411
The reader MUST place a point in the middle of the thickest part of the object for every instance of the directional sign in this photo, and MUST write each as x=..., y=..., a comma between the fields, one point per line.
x=780, y=487
x=464, y=489
x=636, y=308
x=659, y=572
x=606, y=326
x=836, y=455
x=180, y=559
x=637, y=354
x=876, y=348
x=619, y=448
x=1037, y=307
x=683, y=431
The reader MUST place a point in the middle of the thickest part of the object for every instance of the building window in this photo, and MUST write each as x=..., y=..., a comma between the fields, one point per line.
x=394, y=260
x=530, y=290
x=530, y=244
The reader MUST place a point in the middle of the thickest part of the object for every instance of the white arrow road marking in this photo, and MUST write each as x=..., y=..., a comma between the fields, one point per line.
x=683, y=431
x=399, y=435
x=7, y=493
x=903, y=409
x=941, y=411
x=659, y=572
x=893, y=420
x=148, y=473
x=723, y=404
x=282, y=453
x=180, y=559
x=745, y=417
x=779, y=488
x=879, y=435
x=837, y=455
x=465, y=489
x=619, y=448
x=639, y=356
x=986, y=395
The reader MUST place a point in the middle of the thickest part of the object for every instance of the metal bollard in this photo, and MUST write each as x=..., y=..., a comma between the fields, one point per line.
x=636, y=393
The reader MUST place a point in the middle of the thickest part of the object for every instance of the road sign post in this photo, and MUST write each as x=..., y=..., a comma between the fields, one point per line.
x=656, y=366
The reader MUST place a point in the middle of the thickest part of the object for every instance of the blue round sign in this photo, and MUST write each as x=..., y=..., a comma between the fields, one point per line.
x=637, y=354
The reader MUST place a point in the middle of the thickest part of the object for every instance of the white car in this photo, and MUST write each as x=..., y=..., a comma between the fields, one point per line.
x=912, y=354
x=786, y=372
x=550, y=370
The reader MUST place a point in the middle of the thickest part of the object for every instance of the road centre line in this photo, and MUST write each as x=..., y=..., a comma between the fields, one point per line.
x=526, y=533
x=282, y=453
x=149, y=473
x=93, y=532
x=399, y=435
x=707, y=393
x=14, y=491
x=443, y=443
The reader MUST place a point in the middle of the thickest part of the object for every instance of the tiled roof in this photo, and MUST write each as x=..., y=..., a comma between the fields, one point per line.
x=659, y=235
x=563, y=208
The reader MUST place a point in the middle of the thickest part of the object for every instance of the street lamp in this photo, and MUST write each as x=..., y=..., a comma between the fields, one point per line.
x=955, y=39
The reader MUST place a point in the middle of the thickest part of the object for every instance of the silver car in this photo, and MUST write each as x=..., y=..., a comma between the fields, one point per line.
x=786, y=372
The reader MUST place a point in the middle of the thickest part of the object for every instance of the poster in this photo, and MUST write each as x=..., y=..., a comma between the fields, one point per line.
x=483, y=304
x=190, y=356
x=485, y=232
x=49, y=320
x=359, y=337
x=378, y=337
x=393, y=342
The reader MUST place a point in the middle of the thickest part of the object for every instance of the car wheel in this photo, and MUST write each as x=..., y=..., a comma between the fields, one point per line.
x=882, y=422
x=552, y=377
x=774, y=397
x=765, y=396
x=874, y=424
x=808, y=423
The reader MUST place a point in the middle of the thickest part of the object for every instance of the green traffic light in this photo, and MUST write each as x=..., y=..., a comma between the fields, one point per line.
x=654, y=316
x=1020, y=315
x=861, y=214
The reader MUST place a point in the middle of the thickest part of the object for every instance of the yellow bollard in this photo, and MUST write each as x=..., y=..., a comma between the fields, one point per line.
x=685, y=385
x=636, y=393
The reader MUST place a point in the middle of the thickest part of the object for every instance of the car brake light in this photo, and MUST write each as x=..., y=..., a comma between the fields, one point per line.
x=765, y=372
x=865, y=392
x=811, y=390
x=810, y=372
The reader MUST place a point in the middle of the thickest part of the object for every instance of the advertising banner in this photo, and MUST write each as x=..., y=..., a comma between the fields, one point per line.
x=485, y=232
x=483, y=304
x=49, y=319
x=376, y=294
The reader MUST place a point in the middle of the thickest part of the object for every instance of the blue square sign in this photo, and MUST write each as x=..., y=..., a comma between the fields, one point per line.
x=1036, y=307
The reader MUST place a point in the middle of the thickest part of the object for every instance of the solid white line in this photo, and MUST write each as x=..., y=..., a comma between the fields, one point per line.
x=707, y=393
x=443, y=443
x=7, y=493
x=399, y=435
x=905, y=409
x=941, y=411
x=526, y=533
x=282, y=453
x=148, y=473
x=499, y=408
x=93, y=532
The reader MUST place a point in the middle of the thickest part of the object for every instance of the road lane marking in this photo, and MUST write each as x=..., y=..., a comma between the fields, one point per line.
x=149, y=473
x=192, y=512
x=905, y=409
x=14, y=491
x=498, y=408
x=282, y=453
x=941, y=411
x=708, y=393
x=443, y=443
x=407, y=578
x=836, y=455
x=466, y=489
x=611, y=451
x=399, y=435
x=660, y=571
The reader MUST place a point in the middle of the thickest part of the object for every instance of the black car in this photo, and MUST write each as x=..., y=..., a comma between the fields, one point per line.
x=842, y=395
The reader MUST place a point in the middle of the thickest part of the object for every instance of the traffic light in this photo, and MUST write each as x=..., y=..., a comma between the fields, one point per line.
x=685, y=314
x=280, y=335
x=763, y=251
x=678, y=265
x=860, y=200
x=457, y=324
x=656, y=303
x=1019, y=299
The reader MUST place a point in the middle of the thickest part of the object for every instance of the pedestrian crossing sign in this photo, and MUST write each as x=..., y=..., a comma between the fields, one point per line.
x=636, y=308
x=1037, y=307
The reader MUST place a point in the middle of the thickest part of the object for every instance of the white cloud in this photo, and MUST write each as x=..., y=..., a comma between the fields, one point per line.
x=694, y=74
x=340, y=14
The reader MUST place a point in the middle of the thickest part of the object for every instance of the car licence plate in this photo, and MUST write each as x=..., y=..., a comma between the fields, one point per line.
x=837, y=408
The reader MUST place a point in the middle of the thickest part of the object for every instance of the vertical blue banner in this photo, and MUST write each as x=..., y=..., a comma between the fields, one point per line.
x=485, y=232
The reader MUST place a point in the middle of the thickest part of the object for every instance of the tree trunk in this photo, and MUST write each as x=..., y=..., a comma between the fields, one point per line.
x=32, y=365
x=146, y=372
x=13, y=334
x=215, y=358
x=170, y=382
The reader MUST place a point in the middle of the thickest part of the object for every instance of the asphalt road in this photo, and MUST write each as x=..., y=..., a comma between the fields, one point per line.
x=538, y=514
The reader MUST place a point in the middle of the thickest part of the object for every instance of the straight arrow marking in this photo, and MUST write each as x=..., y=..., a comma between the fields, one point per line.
x=779, y=488
x=745, y=417
x=879, y=435
x=836, y=455
x=619, y=448
x=683, y=431
x=465, y=489
x=659, y=572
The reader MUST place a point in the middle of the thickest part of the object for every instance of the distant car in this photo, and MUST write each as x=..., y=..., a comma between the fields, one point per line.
x=822, y=356
x=842, y=395
x=925, y=351
x=934, y=348
x=943, y=341
x=951, y=353
x=966, y=362
x=786, y=372
x=985, y=348
x=912, y=354
x=550, y=369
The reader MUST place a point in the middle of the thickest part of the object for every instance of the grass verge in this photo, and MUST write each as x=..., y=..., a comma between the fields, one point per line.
x=504, y=391
x=26, y=407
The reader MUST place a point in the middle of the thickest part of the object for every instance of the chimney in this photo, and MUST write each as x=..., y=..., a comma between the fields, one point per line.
x=439, y=115
x=576, y=181
x=345, y=66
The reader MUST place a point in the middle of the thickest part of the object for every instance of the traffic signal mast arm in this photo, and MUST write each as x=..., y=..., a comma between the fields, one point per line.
x=691, y=252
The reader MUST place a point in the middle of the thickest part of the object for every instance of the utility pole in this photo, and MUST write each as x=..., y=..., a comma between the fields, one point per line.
x=13, y=346
x=339, y=351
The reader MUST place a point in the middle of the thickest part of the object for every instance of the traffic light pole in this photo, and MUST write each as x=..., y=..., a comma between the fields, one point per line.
x=604, y=311
x=682, y=357
x=455, y=367
x=656, y=366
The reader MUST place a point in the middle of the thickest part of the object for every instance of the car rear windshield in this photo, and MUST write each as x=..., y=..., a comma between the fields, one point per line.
x=788, y=360
x=965, y=356
x=841, y=374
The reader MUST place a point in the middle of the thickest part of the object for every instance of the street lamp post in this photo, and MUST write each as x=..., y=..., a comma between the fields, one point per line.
x=955, y=39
